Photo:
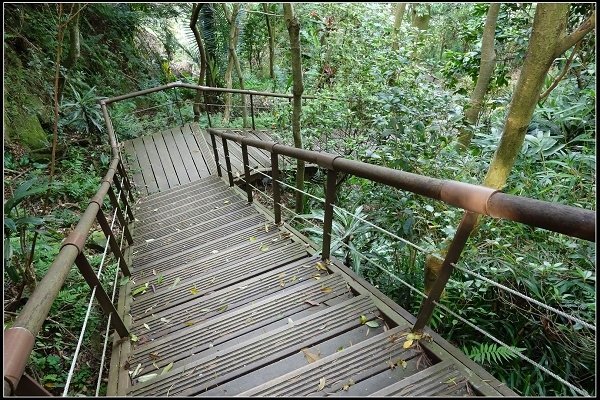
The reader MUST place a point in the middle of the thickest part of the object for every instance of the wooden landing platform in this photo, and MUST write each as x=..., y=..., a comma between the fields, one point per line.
x=181, y=155
x=223, y=302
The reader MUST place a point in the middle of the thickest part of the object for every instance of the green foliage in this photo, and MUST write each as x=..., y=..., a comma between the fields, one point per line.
x=83, y=112
x=491, y=353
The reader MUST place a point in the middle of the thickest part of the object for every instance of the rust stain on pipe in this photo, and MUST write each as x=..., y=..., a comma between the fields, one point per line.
x=20, y=341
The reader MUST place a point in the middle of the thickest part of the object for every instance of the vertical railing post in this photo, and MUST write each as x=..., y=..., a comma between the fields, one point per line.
x=127, y=182
x=107, y=306
x=113, y=242
x=208, y=116
x=247, y=171
x=252, y=111
x=214, y=145
x=456, y=247
x=328, y=218
x=115, y=203
x=178, y=106
x=227, y=161
x=123, y=196
x=276, y=190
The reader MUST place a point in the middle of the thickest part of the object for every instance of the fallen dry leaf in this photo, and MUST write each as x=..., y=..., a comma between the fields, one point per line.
x=310, y=357
x=321, y=384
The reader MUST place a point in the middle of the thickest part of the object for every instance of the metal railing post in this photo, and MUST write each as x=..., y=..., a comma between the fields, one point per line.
x=113, y=242
x=214, y=145
x=247, y=171
x=123, y=197
x=457, y=245
x=227, y=161
x=178, y=106
x=107, y=306
x=328, y=218
x=276, y=189
x=126, y=181
x=208, y=116
x=252, y=112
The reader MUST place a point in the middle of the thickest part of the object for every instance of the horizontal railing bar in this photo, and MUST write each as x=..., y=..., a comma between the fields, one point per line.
x=572, y=221
x=208, y=89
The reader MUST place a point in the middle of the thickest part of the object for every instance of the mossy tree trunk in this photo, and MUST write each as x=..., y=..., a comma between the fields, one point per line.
x=548, y=41
x=198, y=105
x=398, y=16
x=486, y=70
x=293, y=27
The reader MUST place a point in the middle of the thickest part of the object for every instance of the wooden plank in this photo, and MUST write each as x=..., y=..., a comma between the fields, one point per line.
x=146, y=167
x=201, y=335
x=134, y=168
x=339, y=343
x=181, y=164
x=236, y=163
x=177, y=304
x=262, y=350
x=205, y=147
x=155, y=162
x=166, y=160
x=195, y=151
x=185, y=153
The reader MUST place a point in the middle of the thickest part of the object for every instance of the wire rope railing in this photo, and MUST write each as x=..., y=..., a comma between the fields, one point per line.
x=437, y=303
x=88, y=312
x=466, y=227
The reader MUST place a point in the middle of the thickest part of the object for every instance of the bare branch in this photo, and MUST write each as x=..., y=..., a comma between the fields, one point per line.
x=571, y=40
x=562, y=74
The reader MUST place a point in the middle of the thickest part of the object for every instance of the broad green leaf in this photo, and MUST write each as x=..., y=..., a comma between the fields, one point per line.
x=252, y=239
x=133, y=337
x=373, y=324
x=363, y=319
x=141, y=289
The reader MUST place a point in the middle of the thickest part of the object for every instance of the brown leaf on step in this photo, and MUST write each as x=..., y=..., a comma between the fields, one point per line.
x=310, y=357
x=321, y=384
x=326, y=290
x=154, y=356
x=312, y=303
x=320, y=267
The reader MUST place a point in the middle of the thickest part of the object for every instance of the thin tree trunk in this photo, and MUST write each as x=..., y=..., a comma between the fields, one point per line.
x=293, y=27
x=74, y=46
x=198, y=106
x=60, y=34
x=271, y=41
x=232, y=59
x=398, y=15
x=548, y=41
x=486, y=70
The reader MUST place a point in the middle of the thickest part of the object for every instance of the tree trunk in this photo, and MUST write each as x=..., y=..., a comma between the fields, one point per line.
x=420, y=21
x=198, y=106
x=271, y=41
x=398, y=15
x=486, y=70
x=74, y=46
x=207, y=13
x=233, y=62
x=293, y=27
x=548, y=41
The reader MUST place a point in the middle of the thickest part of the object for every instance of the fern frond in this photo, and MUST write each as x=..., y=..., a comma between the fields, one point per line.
x=491, y=353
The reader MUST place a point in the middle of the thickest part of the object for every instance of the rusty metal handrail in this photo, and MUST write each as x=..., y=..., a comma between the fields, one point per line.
x=572, y=221
x=20, y=338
